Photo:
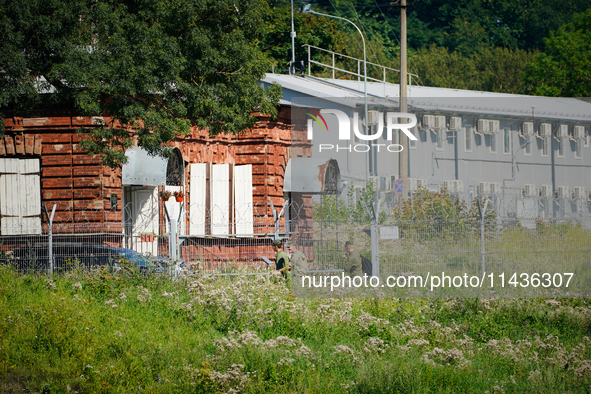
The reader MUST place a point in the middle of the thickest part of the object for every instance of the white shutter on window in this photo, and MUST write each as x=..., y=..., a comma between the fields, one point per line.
x=20, y=197
x=220, y=199
x=197, y=198
x=243, y=199
x=30, y=187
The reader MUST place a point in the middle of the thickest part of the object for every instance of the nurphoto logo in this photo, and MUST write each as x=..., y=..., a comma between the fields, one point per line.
x=393, y=121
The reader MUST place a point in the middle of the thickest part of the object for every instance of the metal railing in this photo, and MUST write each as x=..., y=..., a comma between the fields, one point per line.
x=338, y=57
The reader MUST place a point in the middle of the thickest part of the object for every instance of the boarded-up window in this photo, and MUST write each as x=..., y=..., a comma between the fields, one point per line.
x=20, y=197
x=197, y=195
x=220, y=200
x=243, y=204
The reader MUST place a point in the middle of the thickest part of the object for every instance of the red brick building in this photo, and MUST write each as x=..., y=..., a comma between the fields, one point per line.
x=42, y=164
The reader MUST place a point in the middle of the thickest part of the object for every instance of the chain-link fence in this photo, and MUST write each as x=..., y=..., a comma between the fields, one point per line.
x=437, y=235
x=433, y=237
x=209, y=240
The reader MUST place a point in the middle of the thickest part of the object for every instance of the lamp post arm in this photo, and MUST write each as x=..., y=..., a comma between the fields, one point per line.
x=360, y=33
x=364, y=70
x=341, y=18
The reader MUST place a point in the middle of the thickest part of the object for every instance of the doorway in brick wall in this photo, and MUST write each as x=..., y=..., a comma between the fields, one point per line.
x=143, y=177
x=142, y=218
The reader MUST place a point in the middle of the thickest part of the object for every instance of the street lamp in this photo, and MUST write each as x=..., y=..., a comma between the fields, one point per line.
x=307, y=9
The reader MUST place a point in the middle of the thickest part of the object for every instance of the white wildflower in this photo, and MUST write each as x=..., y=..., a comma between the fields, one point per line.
x=111, y=303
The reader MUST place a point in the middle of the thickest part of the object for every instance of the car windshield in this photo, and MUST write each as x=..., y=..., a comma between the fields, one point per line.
x=131, y=255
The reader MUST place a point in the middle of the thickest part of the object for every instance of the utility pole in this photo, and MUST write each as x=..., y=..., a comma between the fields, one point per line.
x=403, y=140
x=293, y=36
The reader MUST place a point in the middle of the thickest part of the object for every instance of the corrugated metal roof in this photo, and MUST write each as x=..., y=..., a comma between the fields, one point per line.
x=422, y=98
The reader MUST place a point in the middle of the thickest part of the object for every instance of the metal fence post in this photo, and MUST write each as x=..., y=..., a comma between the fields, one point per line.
x=50, y=238
x=172, y=239
x=482, y=251
x=177, y=245
x=375, y=248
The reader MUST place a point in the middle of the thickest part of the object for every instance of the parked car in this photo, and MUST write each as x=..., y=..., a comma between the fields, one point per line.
x=67, y=256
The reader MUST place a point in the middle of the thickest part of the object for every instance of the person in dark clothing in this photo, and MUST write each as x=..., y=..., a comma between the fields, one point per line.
x=282, y=263
x=352, y=260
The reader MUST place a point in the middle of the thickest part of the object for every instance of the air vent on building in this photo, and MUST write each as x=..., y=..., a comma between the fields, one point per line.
x=484, y=188
x=428, y=121
x=482, y=125
x=373, y=117
x=453, y=186
x=455, y=123
x=529, y=190
x=449, y=186
x=562, y=132
x=545, y=129
x=546, y=191
x=563, y=192
x=579, y=193
x=494, y=126
x=579, y=132
x=495, y=187
x=440, y=122
x=488, y=126
x=528, y=128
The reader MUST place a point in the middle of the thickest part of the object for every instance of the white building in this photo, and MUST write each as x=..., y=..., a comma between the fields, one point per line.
x=530, y=155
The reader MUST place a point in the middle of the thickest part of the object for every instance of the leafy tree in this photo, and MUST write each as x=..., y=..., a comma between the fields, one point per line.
x=311, y=30
x=493, y=69
x=352, y=210
x=431, y=215
x=563, y=69
x=466, y=44
x=525, y=23
x=154, y=66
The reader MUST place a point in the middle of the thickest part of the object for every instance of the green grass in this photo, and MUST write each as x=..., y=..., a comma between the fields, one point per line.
x=247, y=334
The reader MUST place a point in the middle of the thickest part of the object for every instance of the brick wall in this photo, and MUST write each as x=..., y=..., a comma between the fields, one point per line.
x=81, y=186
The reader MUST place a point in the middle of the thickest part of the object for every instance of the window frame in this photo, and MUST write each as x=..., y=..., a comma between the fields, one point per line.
x=492, y=149
x=507, y=142
x=468, y=138
x=441, y=136
x=560, y=147
x=544, y=151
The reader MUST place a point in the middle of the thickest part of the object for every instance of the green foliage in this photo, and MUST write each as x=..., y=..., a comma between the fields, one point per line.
x=249, y=335
x=154, y=67
x=491, y=69
x=354, y=210
x=466, y=26
x=320, y=32
x=439, y=215
x=468, y=44
x=563, y=68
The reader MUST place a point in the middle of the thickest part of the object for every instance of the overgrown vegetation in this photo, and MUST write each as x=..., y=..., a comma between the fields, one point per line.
x=439, y=215
x=534, y=46
x=435, y=232
x=356, y=208
x=99, y=333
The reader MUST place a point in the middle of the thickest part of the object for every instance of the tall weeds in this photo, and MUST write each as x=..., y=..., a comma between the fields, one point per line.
x=96, y=332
